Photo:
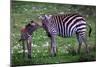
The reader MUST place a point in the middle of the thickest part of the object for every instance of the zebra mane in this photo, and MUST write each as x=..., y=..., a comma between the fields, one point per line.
x=48, y=16
x=45, y=17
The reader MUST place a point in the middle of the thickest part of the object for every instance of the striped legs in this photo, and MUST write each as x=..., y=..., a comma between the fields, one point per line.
x=81, y=39
x=86, y=45
x=29, y=47
x=53, y=45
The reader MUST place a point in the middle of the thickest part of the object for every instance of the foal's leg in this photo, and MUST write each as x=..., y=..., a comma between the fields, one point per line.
x=29, y=43
x=53, y=45
x=79, y=41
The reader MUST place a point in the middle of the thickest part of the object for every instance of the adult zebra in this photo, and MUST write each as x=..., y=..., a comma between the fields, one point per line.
x=65, y=25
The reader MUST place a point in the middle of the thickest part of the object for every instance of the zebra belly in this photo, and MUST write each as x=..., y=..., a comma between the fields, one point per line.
x=67, y=33
x=64, y=34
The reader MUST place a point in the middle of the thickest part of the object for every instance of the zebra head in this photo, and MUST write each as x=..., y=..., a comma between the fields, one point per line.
x=45, y=19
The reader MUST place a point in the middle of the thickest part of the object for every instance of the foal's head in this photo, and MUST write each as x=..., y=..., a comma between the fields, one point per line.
x=27, y=31
x=31, y=27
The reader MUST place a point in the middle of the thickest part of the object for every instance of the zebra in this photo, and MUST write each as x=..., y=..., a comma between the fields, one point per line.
x=26, y=37
x=65, y=25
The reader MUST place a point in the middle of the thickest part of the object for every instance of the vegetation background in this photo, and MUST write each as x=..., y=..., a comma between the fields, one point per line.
x=21, y=14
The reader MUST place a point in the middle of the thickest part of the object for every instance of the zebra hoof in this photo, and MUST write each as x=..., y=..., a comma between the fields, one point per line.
x=29, y=56
x=78, y=52
x=53, y=55
x=87, y=51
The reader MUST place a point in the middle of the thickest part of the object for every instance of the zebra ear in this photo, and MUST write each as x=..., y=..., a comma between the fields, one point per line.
x=41, y=17
x=48, y=16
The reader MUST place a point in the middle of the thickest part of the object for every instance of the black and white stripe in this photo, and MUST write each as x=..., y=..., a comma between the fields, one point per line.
x=65, y=25
x=26, y=38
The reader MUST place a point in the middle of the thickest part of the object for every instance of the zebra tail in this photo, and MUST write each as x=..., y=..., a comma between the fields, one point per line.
x=90, y=30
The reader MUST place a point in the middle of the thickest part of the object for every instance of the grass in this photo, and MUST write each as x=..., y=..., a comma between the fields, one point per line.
x=22, y=13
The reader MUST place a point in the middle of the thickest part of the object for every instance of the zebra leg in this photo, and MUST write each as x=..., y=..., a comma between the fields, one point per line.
x=53, y=45
x=29, y=43
x=85, y=42
x=80, y=42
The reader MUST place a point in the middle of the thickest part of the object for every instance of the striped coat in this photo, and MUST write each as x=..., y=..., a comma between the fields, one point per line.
x=26, y=38
x=65, y=25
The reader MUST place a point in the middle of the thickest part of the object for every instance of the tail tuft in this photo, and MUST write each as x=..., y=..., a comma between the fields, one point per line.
x=90, y=30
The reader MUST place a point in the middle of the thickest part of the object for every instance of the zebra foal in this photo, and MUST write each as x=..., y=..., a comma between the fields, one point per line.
x=26, y=38
x=65, y=25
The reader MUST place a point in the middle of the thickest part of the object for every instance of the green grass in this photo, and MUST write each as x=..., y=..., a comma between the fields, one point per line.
x=22, y=13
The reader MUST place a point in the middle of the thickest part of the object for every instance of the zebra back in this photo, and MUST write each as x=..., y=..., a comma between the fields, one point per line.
x=65, y=24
